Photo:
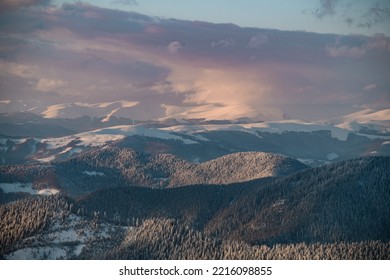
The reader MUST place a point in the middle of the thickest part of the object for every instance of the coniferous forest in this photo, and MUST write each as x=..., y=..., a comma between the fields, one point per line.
x=336, y=211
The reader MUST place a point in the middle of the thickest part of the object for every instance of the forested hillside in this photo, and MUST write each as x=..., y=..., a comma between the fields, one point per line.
x=116, y=167
x=337, y=211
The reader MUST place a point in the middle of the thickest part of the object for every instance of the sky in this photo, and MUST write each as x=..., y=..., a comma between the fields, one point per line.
x=145, y=59
x=366, y=17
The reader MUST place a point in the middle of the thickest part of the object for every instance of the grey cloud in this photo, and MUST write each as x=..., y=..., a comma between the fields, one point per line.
x=326, y=8
x=357, y=46
x=126, y=2
x=376, y=14
x=345, y=51
x=258, y=40
x=349, y=21
x=370, y=87
x=224, y=43
x=91, y=54
x=12, y=5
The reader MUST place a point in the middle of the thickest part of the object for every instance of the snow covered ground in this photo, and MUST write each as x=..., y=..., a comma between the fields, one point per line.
x=26, y=188
x=93, y=173
x=187, y=133
x=64, y=239
x=271, y=127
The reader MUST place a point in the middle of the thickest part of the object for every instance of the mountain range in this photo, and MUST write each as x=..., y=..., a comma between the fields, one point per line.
x=327, y=212
x=115, y=167
x=128, y=136
x=194, y=189
x=28, y=138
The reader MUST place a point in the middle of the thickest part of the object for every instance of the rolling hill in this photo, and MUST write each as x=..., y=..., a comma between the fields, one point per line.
x=115, y=167
x=337, y=211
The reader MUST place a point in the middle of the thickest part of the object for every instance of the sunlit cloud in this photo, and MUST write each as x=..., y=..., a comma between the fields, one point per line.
x=82, y=53
x=258, y=40
x=370, y=87
x=17, y=69
x=174, y=47
x=47, y=85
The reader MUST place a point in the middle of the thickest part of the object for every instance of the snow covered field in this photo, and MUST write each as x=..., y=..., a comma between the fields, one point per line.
x=26, y=188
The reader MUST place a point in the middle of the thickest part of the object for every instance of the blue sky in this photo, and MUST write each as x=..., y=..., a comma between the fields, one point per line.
x=366, y=17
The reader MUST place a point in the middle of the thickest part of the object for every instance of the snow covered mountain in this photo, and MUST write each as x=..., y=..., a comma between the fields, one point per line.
x=24, y=136
x=376, y=122
x=198, y=140
x=103, y=110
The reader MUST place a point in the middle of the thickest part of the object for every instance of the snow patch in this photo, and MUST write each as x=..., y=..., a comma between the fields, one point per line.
x=47, y=252
x=313, y=162
x=332, y=156
x=17, y=187
x=46, y=159
x=271, y=127
x=59, y=142
x=93, y=173
x=131, y=130
x=48, y=192
x=92, y=139
x=75, y=151
x=26, y=188
x=78, y=249
x=65, y=151
x=280, y=202
x=108, y=117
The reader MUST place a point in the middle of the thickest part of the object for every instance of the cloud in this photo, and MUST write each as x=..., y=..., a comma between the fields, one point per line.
x=349, y=21
x=378, y=42
x=375, y=15
x=220, y=93
x=258, y=40
x=90, y=54
x=12, y=5
x=326, y=8
x=125, y=2
x=353, y=13
x=47, y=85
x=348, y=46
x=370, y=87
x=224, y=43
x=345, y=51
x=17, y=69
x=209, y=111
x=174, y=47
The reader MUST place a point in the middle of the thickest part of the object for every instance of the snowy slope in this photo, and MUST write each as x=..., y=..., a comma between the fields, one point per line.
x=49, y=149
x=75, y=110
x=271, y=127
x=365, y=119
x=197, y=133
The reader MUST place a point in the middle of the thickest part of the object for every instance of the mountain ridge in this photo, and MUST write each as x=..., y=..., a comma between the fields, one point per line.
x=336, y=211
x=113, y=166
x=193, y=140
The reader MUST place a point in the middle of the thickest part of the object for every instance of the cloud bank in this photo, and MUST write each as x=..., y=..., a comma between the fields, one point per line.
x=171, y=68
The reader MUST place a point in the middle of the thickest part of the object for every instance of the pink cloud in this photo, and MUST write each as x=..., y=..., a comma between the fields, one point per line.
x=94, y=55
x=174, y=47
x=345, y=51
x=370, y=87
